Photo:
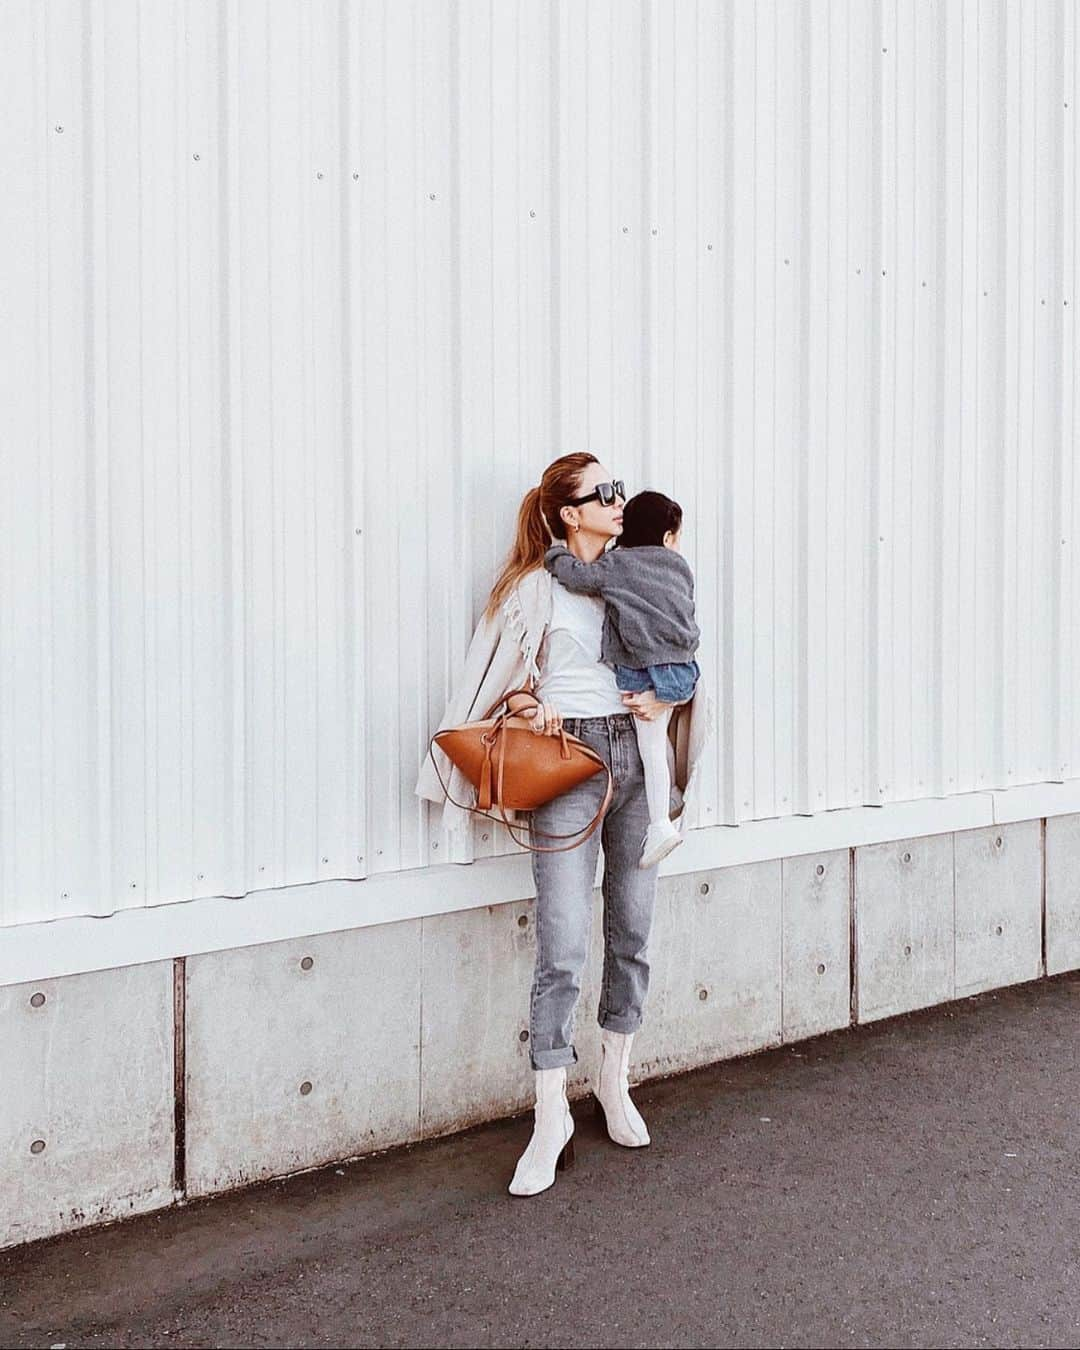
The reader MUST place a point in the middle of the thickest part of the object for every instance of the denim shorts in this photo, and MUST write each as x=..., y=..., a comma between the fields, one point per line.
x=673, y=683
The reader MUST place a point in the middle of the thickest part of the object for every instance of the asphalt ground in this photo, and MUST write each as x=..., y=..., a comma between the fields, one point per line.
x=907, y=1183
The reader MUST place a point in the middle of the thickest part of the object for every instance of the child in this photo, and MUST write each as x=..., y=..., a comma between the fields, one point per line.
x=650, y=636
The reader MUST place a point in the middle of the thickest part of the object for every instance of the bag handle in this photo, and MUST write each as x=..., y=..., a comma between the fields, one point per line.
x=497, y=733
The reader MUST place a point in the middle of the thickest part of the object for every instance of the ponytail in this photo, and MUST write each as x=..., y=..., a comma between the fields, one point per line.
x=537, y=520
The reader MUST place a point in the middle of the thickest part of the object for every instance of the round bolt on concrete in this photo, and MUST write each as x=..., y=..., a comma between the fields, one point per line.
x=821, y=968
x=705, y=888
x=523, y=1036
x=821, y=869
x=38, y=1146
x=306, y=963
x=305, y=1088
x=37, y=1000
x=703, y=994
x=523, y=921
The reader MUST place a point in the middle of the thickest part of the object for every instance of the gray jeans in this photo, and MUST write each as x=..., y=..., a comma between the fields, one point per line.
x=564, y=886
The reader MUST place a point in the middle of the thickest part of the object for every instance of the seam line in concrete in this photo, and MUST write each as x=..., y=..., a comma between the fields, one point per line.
x=179, y=1075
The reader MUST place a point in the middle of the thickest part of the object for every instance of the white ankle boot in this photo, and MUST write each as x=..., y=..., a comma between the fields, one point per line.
x=624, y=1123
x=552, y=1141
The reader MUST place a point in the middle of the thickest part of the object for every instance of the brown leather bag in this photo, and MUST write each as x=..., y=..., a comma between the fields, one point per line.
x=514, y=768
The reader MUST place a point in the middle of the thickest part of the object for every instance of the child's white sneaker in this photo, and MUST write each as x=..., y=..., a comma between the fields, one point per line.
x=660, y=838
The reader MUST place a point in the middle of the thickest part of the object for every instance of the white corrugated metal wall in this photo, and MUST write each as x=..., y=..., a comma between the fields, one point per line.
x=299, y=299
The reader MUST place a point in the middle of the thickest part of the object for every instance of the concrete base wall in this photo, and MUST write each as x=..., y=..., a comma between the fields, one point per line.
x=288, y=1055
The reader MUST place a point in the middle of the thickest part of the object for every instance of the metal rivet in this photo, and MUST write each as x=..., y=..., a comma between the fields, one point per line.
x=484, y=836
x=703, y=994
x=134, y=885
x=61, y=128
x=305, y=1088
x=907, y=951
x=997, y=841
x=710, y=248
x=907, y=857
x=359, y=530
x=200, y=877
x=821, y=968
x=318, y=175
x=434, y=846
x=704, y=888
x=194, y=156
x=63, y=895
x=38, y=1146
x=883, y=273
x=326, y=860
x=356, y=177
x=821, y=869
x=262, y=867
x=431, y=196
x=999, y=930
x=523, y=921
x=626, y=229
x=654, y=229
x=523, y=1036
x=359, y=857
x=858, y=271
x=306, y=963
x=36, y=1000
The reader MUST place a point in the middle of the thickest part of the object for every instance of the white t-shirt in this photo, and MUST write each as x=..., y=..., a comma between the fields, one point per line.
x=572, y=676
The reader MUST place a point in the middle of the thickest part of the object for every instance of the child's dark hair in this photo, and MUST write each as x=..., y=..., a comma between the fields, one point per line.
x=647, y=517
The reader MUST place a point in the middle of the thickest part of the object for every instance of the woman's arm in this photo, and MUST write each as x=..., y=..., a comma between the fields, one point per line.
x=548, y=720
x=646, y=705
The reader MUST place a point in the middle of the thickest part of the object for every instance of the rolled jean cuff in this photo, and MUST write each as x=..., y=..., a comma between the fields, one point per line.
x=555, y=1059
x=624, y=1026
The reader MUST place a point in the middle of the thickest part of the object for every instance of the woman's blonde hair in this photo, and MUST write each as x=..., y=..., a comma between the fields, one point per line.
x=560, y=481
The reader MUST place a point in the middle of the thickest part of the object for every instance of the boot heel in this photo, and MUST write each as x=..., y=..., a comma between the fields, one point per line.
x=566, y=1157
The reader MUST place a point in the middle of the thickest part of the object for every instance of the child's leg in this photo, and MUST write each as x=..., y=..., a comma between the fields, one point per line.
x=652, y=739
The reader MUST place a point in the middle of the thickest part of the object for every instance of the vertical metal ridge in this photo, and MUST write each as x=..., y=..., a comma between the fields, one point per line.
x=98, y=505
x=236, y=873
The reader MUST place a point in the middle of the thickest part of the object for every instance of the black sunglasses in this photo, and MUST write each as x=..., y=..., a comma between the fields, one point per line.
x=604, y=493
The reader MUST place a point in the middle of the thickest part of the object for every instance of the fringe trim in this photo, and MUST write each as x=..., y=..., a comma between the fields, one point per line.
x=516, y=622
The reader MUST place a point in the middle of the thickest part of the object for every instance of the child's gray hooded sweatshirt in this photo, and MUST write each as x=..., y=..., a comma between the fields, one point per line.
x=649, y=597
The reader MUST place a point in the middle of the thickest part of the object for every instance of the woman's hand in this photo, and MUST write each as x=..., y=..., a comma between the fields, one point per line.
x=645, y=705
x=546, y=718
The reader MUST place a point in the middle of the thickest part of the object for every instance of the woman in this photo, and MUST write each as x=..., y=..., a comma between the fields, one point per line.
x=535, y=631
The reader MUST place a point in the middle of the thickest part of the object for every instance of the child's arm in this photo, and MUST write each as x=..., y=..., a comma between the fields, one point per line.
x=580, y=577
